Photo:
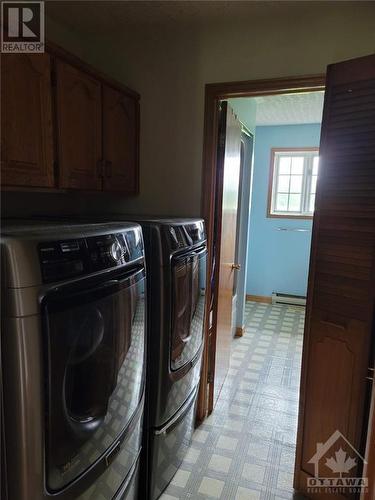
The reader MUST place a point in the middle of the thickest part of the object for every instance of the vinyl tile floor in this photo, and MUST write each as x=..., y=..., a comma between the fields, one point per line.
x=245, y=450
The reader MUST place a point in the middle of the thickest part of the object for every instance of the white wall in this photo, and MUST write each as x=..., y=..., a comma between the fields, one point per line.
x=170, y=64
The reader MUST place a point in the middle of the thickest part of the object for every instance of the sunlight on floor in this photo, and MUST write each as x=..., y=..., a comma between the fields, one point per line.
x=246, y=449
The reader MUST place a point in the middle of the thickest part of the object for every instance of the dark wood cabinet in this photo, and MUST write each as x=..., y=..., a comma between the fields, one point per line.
x=26, y=121
x=120, y=141
x=79, y=128
x=66, y=126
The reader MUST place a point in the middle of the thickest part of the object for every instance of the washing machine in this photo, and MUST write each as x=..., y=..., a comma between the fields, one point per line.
x=73, y=341
x=176, y=254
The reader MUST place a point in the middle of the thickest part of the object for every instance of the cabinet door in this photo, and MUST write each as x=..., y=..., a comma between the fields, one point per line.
x=120, y=141
x=339, y=327
x=79, y=118
x=26, y=121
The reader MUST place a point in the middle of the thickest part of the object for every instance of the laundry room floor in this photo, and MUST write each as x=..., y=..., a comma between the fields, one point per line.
x=245, y=450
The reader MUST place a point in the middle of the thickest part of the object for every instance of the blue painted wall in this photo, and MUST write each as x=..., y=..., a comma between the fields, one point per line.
x=277, y=260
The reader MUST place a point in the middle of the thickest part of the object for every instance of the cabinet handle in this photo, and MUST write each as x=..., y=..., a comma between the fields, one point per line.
x=108, y=168
x=100, y=168
x=237, y=267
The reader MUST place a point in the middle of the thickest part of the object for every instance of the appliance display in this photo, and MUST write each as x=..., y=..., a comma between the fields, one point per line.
x=176, y=254
x=73, y=342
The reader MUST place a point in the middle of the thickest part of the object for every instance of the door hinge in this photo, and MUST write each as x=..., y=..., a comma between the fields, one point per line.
x=370, y=375
x=210, y=371
x=222, y=140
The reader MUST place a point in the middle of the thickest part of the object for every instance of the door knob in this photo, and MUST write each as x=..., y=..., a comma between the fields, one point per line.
x=236, y=266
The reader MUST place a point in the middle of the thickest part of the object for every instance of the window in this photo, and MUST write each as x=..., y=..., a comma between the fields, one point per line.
x=294, y=173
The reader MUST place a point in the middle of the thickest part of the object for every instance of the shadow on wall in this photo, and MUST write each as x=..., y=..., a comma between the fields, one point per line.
x=278, y=261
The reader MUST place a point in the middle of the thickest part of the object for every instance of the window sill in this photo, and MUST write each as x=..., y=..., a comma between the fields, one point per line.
x=289, y=216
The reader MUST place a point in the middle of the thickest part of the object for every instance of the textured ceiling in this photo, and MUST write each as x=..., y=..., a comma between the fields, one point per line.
x=289, y=109
x=103, y=16
x=108, y=16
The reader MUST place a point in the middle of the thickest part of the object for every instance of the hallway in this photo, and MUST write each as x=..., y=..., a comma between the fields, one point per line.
x=245, y=450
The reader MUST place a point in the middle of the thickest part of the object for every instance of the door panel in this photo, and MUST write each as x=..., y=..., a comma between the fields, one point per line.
x=26, y=121
x=340, y=355
x=188, y=291
x=79, y=120
x=334, y=389
x=120, y=141
x=95, y=354
x=229, y=162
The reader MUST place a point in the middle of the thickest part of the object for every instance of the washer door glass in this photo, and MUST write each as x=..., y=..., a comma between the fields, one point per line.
x=95, y=365
x=188, y=298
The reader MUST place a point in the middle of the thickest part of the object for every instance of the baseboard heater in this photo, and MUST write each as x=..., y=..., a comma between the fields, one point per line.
x=286, y=298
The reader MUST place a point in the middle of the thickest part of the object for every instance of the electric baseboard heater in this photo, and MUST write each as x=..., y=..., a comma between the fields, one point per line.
x=285, y=298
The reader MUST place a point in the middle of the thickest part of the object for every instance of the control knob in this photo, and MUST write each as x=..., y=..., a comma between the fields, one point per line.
x=115, y=251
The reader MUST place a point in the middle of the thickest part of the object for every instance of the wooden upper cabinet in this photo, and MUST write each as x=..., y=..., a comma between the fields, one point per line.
x=120, y=141
x=26, y=121
x=79, y=128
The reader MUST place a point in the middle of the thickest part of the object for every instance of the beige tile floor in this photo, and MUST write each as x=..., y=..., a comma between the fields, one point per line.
x=245, y=450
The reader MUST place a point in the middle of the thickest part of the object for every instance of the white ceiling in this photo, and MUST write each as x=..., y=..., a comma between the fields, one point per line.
x=289, y=109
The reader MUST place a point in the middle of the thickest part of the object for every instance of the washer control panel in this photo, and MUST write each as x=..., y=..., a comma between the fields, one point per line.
x=65, y=259
x=107, y=251
x=186, y=235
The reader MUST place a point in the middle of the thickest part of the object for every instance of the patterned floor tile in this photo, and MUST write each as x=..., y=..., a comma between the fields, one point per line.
x=220, y=463
x=245, y=450
x=212, y=488
x=246, y=494
x=181, y=478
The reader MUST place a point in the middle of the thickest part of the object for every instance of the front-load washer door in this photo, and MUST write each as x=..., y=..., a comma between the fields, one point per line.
x=188, y=299
x=94, y=339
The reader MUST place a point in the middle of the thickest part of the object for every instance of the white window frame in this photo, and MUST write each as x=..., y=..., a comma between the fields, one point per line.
x=308, y=155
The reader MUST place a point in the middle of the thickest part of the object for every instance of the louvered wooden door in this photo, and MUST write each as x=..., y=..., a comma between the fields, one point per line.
x=26, y=121
x=338, y=334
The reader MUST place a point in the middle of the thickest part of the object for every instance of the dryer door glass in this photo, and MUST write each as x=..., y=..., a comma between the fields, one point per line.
x=188, y=298
x=94, y=342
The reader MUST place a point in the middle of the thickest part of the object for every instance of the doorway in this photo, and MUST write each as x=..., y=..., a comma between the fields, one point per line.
x=215, y=94
x=260, y=388
x=250, y=370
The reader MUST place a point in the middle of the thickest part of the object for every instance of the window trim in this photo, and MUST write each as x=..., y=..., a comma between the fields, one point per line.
x=270, y=183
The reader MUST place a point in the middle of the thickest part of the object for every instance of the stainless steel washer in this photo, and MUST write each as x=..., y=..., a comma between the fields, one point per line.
x=73, y=355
